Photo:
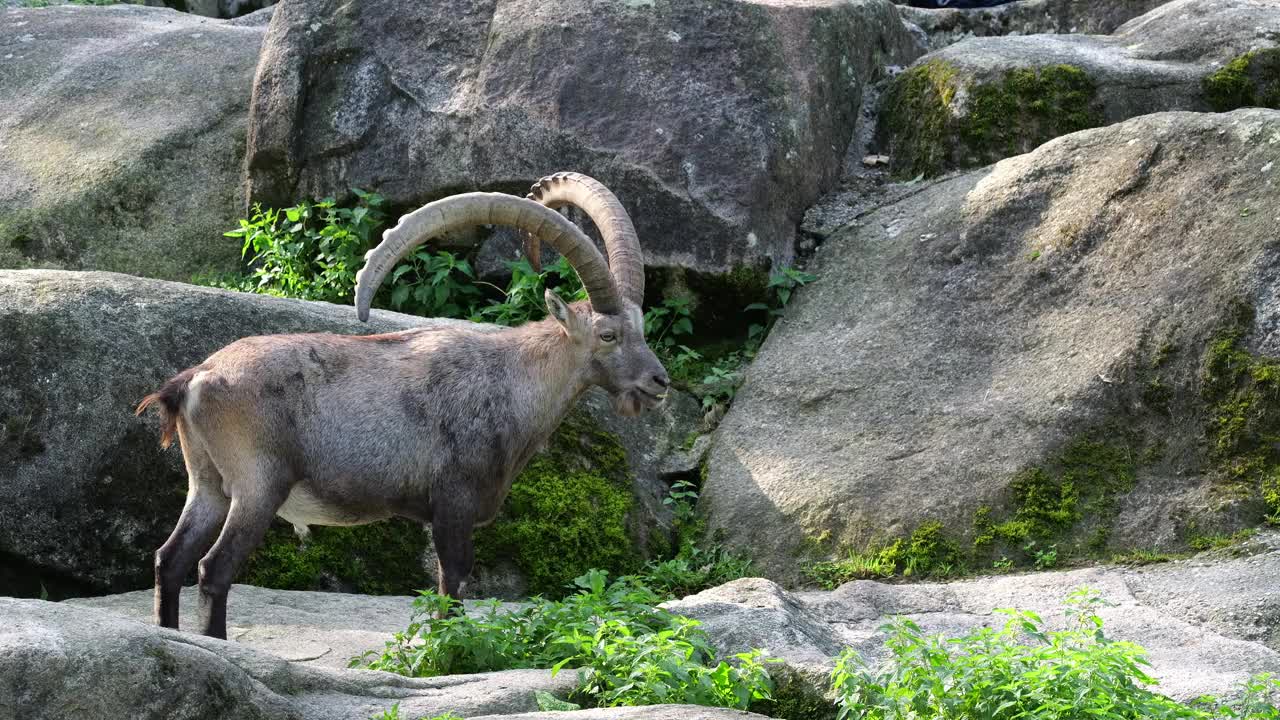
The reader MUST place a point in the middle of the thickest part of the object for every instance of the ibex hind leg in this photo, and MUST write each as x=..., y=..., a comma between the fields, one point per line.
x=202, y=516
x=255, y=499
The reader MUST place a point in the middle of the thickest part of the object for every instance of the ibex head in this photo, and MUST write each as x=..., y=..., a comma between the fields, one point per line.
x=610, y=326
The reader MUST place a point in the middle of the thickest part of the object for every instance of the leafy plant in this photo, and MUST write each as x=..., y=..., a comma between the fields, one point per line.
x=626, y=650
x=697, y=565
x=1022, y=671
x=1044, y=559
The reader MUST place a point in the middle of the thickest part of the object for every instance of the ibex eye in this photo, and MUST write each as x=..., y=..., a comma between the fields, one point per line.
x=608, y=336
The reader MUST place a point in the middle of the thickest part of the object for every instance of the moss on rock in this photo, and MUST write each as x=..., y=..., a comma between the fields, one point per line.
x=1250, y=80
x=1242, y=392
x=938, y=120
x=383, y=558
x=567, y=512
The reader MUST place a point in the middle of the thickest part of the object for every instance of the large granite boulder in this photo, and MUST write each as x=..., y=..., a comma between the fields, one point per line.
x=88, y=495
x=63, y=662
x=1075, y=345
x=122, y=135
x=1025, y=17
x=717, y=122
x=987, y=98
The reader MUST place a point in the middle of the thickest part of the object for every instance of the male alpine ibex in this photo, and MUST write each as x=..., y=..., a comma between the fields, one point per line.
x=430, y=424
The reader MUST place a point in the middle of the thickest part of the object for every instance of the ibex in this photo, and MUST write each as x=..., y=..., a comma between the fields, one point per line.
x=430, y=424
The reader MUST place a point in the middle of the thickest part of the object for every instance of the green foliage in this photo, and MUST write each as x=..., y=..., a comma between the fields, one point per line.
x=697, y=565
x=312, y=251
x=715, y=378
x=567, y=511
x=1045, y=559
x=1220, y=541
x=1250, y=80
x=383, y=558
x=927, y=552
x=626, y=651
x=1243, y=394
x=1142, y=557
x=1021, y=671
x=1004, y=116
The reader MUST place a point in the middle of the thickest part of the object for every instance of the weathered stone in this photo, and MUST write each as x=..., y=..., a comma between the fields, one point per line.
x=716, y=122
x=987, y=98
x=87, y=494
x=648, y=712
x=122, y=134
x=1026, y=17
x=1191, y=654
x=61, y=661
x=1050, y=314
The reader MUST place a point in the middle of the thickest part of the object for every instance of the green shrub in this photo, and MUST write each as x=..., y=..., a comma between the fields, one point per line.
x=626, y=651
x=1022, y=671
x=312, y=251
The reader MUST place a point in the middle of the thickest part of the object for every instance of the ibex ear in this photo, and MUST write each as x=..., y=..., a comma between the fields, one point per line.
x=560, y=310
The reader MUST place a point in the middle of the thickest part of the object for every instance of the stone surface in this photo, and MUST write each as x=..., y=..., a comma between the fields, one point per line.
x=1191, y=654
x=984, y=323
x=717, y=122
x=87, y=494
x=62, y=661
x=122, y=134
x=1026, y=17
x=977, y=101
x=650, y=712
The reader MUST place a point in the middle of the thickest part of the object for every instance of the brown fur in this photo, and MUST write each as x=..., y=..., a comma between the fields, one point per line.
x=170, y=397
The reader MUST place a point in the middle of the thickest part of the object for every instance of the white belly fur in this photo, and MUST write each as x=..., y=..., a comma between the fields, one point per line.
x=302, y=508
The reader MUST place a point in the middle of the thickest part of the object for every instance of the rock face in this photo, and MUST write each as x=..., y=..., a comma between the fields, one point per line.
x=1053, y=347
x=61, y=661
x=1200, y=639
x=87, y=494
x=716, y=122
x=1026, y=17
x=123, y=138
x=988, y=98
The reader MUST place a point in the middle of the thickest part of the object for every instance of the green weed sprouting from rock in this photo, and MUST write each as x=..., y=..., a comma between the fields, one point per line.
x=625, y=650
x=714, y=379
x=698, y=564
x=1022, y=671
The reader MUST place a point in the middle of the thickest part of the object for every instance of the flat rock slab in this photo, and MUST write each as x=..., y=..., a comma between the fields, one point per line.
x=1206, y=623
x=649, y=712
x=62, y=660
x=314, y=628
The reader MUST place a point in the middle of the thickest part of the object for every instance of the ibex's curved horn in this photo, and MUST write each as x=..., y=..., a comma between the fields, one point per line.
x=471, y=209
x=626, y=260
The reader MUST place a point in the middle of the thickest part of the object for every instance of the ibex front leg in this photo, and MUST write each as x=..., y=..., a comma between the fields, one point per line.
x=452, y=530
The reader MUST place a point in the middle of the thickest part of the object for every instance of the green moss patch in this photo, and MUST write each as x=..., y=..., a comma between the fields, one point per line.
x=1250, y=80
x=927, y=552
x=1048, y=501
x=383, y=558
x=938, y=122
x=567, y=512
x=1242, y=392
